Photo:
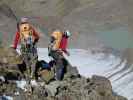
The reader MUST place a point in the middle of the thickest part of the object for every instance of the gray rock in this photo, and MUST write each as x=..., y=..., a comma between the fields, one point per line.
x=103, y=85
x=52, y=88
x=9, y=56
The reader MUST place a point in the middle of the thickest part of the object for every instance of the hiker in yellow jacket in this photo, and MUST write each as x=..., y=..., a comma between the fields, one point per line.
x=56, y=36
x=56, y=53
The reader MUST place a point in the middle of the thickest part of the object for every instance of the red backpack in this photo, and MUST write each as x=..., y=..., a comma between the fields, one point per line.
x=64, y=43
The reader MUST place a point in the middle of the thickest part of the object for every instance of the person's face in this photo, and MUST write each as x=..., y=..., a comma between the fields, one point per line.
x=24, y=26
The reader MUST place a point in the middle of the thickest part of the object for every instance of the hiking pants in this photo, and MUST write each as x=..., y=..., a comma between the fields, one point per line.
x=30, y=58
x=59, y=68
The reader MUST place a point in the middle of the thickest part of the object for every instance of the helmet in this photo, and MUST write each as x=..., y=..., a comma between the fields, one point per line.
x=24, y=20
x=67, y=33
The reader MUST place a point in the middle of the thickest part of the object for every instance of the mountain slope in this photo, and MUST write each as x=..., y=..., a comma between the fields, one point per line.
x=86, y=19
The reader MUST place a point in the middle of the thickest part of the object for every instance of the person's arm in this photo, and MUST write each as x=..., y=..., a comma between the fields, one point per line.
x=66, y=52
x=16, y=40
x=51, y=45
x=36, y=35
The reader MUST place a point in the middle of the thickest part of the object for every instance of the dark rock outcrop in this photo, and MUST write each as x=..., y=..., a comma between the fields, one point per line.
x=9, y=58
x=79, y=88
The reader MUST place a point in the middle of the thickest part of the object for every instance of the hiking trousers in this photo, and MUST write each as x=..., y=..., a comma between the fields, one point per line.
x=30, y=58
x=59, y=67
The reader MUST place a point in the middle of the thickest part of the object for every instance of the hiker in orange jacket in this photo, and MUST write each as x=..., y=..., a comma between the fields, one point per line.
x=28, y=37
x=23, y=29
x=57, y=46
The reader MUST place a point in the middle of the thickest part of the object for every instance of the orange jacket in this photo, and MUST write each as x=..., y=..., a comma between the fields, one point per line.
x=58, y=37
x=17, y=37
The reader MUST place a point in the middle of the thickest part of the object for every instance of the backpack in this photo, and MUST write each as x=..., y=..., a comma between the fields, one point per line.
x=64, y=42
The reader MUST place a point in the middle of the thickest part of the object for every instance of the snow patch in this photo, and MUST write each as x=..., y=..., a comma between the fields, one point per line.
x=21, y=84
x=4, y=97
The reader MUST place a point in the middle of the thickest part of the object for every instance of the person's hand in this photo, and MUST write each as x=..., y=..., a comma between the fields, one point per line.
x=60, y=51
x=66, y=52
x=11, y=46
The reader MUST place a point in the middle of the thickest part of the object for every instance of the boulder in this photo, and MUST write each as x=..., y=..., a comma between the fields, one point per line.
x=47, y=75
x=9, y=56
x=9, y=59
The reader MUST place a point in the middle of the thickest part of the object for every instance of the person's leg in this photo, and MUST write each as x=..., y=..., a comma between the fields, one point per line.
x=59, y=67
x=27, y=59
x=22, y=69
x=60, y=73
x=34, y=59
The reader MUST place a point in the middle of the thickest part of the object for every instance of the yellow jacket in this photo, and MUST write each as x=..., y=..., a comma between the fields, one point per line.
x=58, y=36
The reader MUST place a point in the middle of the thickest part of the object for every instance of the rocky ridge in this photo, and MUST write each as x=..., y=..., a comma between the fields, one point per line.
x=72, y=87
